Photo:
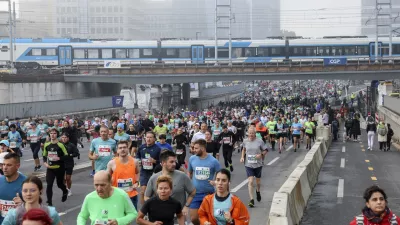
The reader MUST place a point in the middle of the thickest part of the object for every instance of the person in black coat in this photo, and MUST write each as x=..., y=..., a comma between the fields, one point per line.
x=355, y=128
x=389, y=136
x=71, y=131
x=69, y=160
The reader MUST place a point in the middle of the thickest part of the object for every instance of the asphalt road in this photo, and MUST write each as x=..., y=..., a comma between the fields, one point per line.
x=278, y=168
x=352, y=164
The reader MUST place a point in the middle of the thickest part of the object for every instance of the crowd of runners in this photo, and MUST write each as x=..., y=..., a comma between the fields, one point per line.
x=137, y=160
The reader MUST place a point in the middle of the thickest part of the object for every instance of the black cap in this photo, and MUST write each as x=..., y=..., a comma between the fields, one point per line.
x=162, y=136
x=224, y=126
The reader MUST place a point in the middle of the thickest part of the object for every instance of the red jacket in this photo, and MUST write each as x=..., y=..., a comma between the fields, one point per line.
x=238, y=211
x=385, y=221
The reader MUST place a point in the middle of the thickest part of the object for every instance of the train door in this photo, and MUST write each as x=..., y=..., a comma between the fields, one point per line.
x=372, y=50
x=64, y=55
x=197, y=54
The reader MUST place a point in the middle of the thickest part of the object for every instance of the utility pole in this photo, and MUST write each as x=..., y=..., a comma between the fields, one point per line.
x=383, y=14
x=226, y=15
x=10, y=29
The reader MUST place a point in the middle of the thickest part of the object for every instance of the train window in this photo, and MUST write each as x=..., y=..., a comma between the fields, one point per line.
x=134, y=53
x=4, y=49
x=106, y=53
x=396, y=49
x=36, y=52
x=250, y=52
x=171, y=52
x=79, y=53
x=223, y=53
x=147, y=52
x=237, y=52
x=362, y=50
x=277, y=51
x=311, y=51
x=93, y=53
x=51, y=51
x=120, y=53
x=262, y=52
x=349, y=50
x=184, y=53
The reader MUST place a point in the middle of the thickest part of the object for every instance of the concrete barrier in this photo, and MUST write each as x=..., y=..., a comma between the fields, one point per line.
x=289, y=203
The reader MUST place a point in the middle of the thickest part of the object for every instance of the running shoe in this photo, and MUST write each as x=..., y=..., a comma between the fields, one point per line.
x=251, y=203
x=258, y=196
x=39, y=167
x=231, y=168
x=69, y=192
x=64, y=196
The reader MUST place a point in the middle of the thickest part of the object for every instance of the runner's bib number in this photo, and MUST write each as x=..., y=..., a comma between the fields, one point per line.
x=133, y=137
x=100, y=222
x=13, y=144
x=179, y=151
x=252, y=159
x=34, y=138
x=52, y=156
x=147, y=165
x=227, y=140
x=202, y=173
x=5, y=206
x=104, y=150
x=42, y=131
x=216, y=132
x=125, y=184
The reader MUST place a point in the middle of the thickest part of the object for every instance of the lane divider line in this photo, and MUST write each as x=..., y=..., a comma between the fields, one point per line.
x=272, y=162
x=373, y=178
x=370, y=168
x=342, y=163
x=240, y=186
x=288, y=149
x=367, y=160
x=344, y=149
x=340, y=192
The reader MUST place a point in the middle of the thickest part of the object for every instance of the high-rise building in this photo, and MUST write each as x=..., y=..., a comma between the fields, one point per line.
x=368, y=12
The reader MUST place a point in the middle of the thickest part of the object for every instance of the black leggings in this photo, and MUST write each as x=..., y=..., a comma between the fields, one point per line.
x=382, y=145
x=227, y=153
x=35, y=147
x=51, y=175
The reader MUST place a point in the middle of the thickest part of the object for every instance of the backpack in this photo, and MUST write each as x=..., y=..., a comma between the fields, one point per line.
x=20, y=211
x=360, y=220
x=382, y=131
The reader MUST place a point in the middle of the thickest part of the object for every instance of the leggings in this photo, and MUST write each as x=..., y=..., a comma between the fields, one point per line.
x=35, y=147
x=227, y=153
x=382, y=145
x=58, y=175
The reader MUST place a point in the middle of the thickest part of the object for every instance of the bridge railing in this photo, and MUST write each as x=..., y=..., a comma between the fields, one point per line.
x=353, y=61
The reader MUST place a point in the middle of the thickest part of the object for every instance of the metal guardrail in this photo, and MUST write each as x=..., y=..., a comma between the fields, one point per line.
x=127, y=64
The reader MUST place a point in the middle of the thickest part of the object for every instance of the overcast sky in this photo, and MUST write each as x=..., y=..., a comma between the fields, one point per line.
x=314, y=18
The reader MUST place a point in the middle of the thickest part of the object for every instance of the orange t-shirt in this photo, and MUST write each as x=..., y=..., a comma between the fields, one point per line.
x=124, y=176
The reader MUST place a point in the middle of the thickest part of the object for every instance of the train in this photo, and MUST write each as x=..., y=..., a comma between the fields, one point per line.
x=59, y=52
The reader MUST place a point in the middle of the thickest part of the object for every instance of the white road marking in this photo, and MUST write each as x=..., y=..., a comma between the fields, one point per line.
x=69, y=210
x=240, y=186
x=288, y=149
x=28, y=160
x=340, y=191
x=272, y=162
x=342, y=162
x=344, y=149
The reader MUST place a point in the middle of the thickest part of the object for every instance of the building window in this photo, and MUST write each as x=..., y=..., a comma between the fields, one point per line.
x=98, y=20
x=121, y=19
x=69, y=31
x=116, y=30
x=58, y=31
x=62, y=9
x=110, y=19
x=121, y=9
x=110, y=30
x=104, y=30
x=58, y=20
x=98, y=30
x=115, y=9
x=121, y=30
x=69, y=20
x=92, y=9
x=75, y=20
x=110, y=9
x=116, y=19
x=103, y=9
x=104, y=19
x=75, y=30
x=62, y=19
x=74, y=10
x=106, y=53
x=63, y=31
x=98, y=9
x=68, y=9
x=92, y=20
x=92, y=30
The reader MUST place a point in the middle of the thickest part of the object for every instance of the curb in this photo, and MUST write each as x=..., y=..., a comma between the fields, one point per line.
x=77, y=168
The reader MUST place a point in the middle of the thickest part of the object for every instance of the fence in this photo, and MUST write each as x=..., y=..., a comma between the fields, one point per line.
x=43, y=108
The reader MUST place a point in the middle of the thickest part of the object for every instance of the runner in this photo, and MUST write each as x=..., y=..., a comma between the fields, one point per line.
x=309, y=126
x=253, y=150
x=201, y=134
x=202, y=169
x=54, y=154
x=296, y=128
x=271, y=131
x=212, y=147
x=280, y=134
x=149, y=156
x=106, y=205
x=72, y=151
x=227, y=139
x=121, y=135
x=133, y=137
x=162, y=143
x=124, y=172
x=34, y=136
x=3, y=129
x=102, y=150
x=10, y=184
x=15, y=139
x=179, y=142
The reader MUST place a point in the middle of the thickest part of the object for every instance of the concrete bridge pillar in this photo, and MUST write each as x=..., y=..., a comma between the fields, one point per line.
x=166, y=97
x=186, y=94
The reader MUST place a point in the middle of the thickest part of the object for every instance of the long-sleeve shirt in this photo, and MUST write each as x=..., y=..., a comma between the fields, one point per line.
x=118, y=206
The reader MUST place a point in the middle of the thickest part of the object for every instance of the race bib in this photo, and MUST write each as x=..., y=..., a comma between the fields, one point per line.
x=125, y=184
x=13, y=144
x=5, y=206
x=133, y=137
x=52, y=156
x=104, y=150
x=216, y=132
x=86, y=125
x=251, y=159
x=42, y=131
x=147, y=165
x=34, y=138
x=179, y=151
x=100, y=222
x=202, y=173
x=227, y=140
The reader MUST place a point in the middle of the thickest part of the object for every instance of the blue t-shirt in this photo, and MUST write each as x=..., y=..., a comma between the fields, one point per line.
x=145, y=152
x=123, y=137
x=9, y=190
x=298, y=126
x=43, y=130
x=105, y=150
x=220, y=208
x=14, y=137
x=203, y=171
x=34, y=135
x=164, y=146
x=4, y=129
x=11, y=218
